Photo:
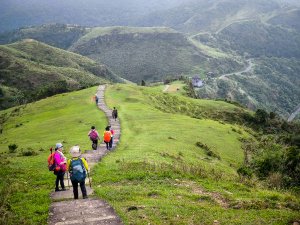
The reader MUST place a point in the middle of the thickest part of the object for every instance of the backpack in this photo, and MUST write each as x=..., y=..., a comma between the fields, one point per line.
x=107, y=136
x=77, y=170
x=51, y=164
x=93, y=135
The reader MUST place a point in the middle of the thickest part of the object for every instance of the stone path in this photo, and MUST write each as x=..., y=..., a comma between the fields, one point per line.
x=64, y=210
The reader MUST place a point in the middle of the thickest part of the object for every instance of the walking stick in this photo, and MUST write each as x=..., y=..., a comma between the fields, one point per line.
x=89, y=179
x=68, y=179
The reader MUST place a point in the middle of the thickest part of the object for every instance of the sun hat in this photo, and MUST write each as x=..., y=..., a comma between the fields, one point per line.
x=58, y=145
x=75, y=151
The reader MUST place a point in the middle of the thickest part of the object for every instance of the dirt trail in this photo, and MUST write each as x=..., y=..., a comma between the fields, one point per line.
x=65, y=210
x=238, y=73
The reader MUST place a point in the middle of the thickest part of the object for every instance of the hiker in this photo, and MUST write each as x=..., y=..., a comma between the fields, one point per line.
x=107, y=137
x=112, y=137
x=60, y=161
x=94, y=137
x=78, y=168
x=114, y=113
x=96, y=99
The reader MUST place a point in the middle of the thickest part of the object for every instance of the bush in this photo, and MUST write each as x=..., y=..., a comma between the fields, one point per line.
x=208, y=151
x=29, y=152
x=12, y=148
x=245, y=171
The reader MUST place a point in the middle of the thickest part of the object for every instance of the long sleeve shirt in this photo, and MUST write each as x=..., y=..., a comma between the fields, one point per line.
x=60, y=160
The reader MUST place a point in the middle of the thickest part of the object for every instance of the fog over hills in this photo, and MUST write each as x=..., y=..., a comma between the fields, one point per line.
x=20, y=13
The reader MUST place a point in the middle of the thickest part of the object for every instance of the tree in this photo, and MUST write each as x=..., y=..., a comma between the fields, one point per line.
x=143, y=83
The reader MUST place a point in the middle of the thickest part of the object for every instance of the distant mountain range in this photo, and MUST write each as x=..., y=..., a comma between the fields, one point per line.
x=208, y=38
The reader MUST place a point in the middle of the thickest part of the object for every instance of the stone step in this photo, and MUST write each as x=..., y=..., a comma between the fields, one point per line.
x=83, y=211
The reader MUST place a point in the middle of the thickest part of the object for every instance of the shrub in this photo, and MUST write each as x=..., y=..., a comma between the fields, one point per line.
x=261, y=116
x=208, y=151
x=12, y=148
x=245, y=171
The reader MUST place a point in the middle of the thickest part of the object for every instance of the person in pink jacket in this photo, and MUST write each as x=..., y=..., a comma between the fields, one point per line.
x=60, y=160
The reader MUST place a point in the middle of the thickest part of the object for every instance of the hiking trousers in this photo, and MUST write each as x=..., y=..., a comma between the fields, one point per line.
x=95, y=144
x=111, y=142
x=82, y=187
x=107, y=145
x=60, y=179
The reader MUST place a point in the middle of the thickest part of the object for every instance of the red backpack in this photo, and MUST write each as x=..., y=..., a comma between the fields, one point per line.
x=51, y=164
x=107, y=136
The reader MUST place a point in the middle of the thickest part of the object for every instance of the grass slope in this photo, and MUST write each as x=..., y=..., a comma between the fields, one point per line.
x=38, y=70
x=159, y=175
x=25, y=180
x=169, y=167
x=140, y=53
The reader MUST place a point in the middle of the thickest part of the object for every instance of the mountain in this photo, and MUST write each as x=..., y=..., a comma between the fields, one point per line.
x=32, y=70
x=273, y=81
x=134, y=53
x=19, y=13
x=150, y=54
x=212, y=16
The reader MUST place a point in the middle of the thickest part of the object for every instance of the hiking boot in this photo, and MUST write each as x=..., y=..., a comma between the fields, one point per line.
x=63, y=189
x=84, y=197
x=56, y=189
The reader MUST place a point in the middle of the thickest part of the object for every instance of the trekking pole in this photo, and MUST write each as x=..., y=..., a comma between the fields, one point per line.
x=68, y=179
x=89, y=179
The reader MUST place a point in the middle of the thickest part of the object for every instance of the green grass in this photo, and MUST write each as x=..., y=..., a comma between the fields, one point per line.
x=158, y=175
x=209, y=51
x=26, y=181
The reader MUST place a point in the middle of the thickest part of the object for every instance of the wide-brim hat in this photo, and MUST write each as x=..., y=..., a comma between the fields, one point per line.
x=75, y=151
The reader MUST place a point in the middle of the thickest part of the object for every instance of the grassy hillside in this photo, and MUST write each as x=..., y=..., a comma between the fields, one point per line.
x=149, y=54
x=168, y=168
x=25, y=180
x=57, y=35
x=32, y=70
x=140, y=53
x=161, y=172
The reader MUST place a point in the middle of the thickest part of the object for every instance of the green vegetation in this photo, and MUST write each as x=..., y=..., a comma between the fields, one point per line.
x=172, y=168
x=273, y=85
x=57, y=35
x=31, y=70
x=148, y=54
x=27, y=134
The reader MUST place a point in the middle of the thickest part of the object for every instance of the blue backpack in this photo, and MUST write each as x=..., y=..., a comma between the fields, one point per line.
x=77, y=170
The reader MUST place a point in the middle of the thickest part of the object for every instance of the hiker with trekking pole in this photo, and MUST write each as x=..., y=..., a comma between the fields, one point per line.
x=78, y=169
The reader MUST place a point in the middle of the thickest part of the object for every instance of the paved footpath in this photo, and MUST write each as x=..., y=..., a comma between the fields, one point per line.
x=64, y=210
